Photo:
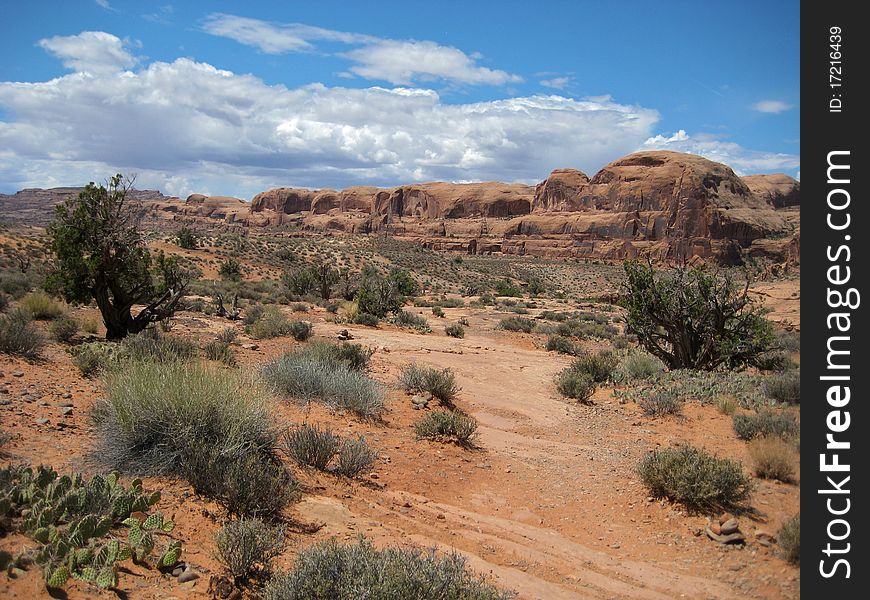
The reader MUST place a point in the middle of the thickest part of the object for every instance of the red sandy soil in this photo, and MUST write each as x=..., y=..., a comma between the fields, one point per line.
x=548, y=504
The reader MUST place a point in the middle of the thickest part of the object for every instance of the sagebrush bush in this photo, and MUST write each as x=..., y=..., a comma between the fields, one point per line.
x=661, y=405
x=599, y=366
x=790, y=341
x=301, y=330
x=441, y=383
x=4, y=302
x=220, y=351
x=772, y=458
x=785, y=387
x=308, y=376
x=637, y=366
x=149, y=345
x=329, y=571
x=789, y=538
x=367, y=319
x=438, y=311
x=726, y=404
x=311, y=446
x=455, y=330
x=19, y=336
x=353, y=356
x=42, y=306
x=227, y=335
x=93, y=357
x=695, y=479
x=575, y=384
x=210, y=426
x=246, y=547
x=64, y=329
x=517, y=324
x=404, y=318
x=765, y=423
x=447, y=425
x=561, y=344
x=271, y=324
x=253, y=314
x=354, y=457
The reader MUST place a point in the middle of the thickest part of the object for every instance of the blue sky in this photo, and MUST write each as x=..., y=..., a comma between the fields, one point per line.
x=233, y=98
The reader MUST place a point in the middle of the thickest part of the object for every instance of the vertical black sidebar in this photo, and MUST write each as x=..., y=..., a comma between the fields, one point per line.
x=835, y=362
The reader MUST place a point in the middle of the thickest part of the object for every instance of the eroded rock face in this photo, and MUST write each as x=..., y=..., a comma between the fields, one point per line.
x=777, y=189
x=565, y=190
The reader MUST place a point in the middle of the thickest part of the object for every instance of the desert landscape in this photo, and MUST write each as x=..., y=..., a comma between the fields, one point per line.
x=458, y=367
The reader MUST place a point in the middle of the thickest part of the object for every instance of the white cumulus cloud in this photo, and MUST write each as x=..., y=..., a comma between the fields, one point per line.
x=772, y=106
x=94, y=52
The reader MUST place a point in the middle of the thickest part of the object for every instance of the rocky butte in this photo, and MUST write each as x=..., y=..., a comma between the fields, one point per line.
x=667, y=205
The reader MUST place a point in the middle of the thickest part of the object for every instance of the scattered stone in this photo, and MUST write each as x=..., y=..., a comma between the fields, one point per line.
x=615, y=546
x=188, y=575
x=67, y=410
x=66, y=396
x=18, y=373
x=731, y=538
x=729, y=526
x=374, y=476
x=344, y=335
x=250, y=346
x=177, y=571
x=42, y=421
x=65, y=404
x=441, y=517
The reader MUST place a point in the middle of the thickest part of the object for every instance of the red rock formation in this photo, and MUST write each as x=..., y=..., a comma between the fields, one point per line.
x=777, y=189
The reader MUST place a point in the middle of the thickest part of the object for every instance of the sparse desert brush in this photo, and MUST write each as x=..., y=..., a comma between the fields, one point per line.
x=725, y=404
x=210, y=426
x=598, y=366
x=64, y=329
x=311, y=446
x=354, y=457
x=692, y=477
x=776, y=360
x=312, y=375
x=367, y=319
x=638, y=366
x=789, y=538
x=328, y=570
x=785, y=387
x=153, y=346
x=441, y=383
x=353, y=356
x=227, y=335
x=765, y=423
x=19, y=336
x=90, y=325
x=404, y=318
x=575, y=384
x=220, y=351
x=701, y=386
x=452, y=426
x=790, y=341
x=517, y=324
x=772, y=458
x=42, y=306
x=455, y=330
x=253, y=314
x=301, y=330
x=438, y=311
x=273, y=323
x=246, y=547
x=92, y=358
x=561, y=344
x=661, y=405
x=300, y=307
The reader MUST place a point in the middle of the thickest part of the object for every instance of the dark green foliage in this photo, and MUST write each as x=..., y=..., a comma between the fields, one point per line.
x=692, y=319
x=230, y=270
x=311, y=446
x=506, y=288
x=253, y=314
x=561, y=344
x=785, y=387
x=447, y=425
x=766, y=422
x=187, y=238
x=404, y=318
x=575, y=384
x=271, y=324
x=789, y=538
x=220, y=351
x=517, y=324
x=379, y=295
x=154, y=346
x=64, y=329
x=699, y=481
x=455, y=330
x=329, y=571
x=354, y=457
x=353, y=356
x=100, y=255
x=70, y=520
x=441, y=383
x=366, y=319
x=301, y=330
x=246, y=547
x=598, y=366
x=19, y=336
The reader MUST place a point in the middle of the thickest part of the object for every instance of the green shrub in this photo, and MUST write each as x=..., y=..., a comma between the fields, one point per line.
x=227, y=335
x=273, y=323
x=785, y=387
x=253, y=314
x=354, y=457
x=230, y=270
x=367, y=319
x=4, y=302
x=775, y=360
x=790, y=341
x=660, y=405
x=694, y=478
x=210, y=426
x=153, y=346
x=561, y=344
x=64, y=329
x=329, y=571
x=517, y=324
x=575, y=384
x=42, y=306
x=765, y=423
x=301, y=330
x=438, y=311
x=447, y=425
x=220, y=351
x=727, y=405
x=441, y=383
x=599, y=366
x=246, y=547
x=94, y=357
x=772, y=458
x=311, y=446
x=638, y=365
x=404, y=318
x=455, y=330
x=353, y=356
x=311, y=377
x=19, y=336
x=789, y=538
x=187, y=238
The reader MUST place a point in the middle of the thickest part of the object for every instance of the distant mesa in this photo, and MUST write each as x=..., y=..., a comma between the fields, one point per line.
x=668, y=205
